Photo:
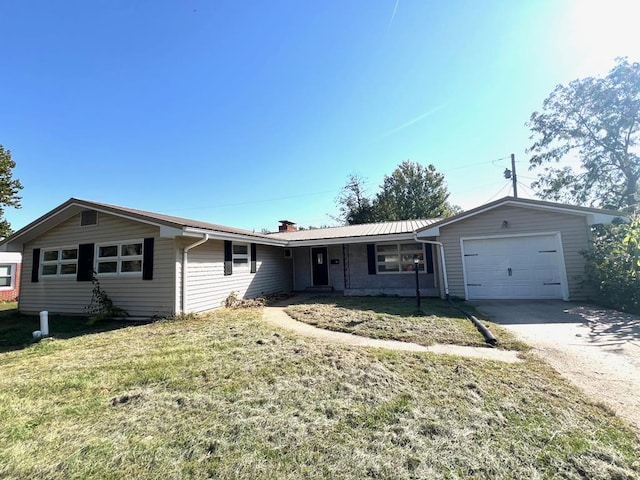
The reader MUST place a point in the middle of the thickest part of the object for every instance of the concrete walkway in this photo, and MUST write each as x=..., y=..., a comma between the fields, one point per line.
x=276, y=316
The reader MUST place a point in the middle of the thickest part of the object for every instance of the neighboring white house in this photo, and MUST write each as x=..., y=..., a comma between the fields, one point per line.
x=10, y=267
x=152, y=264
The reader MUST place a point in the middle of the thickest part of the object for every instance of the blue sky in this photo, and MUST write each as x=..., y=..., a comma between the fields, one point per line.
x=244, y=113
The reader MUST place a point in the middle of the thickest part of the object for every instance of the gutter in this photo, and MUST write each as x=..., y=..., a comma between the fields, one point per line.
x=185, y=265
x=486, y=333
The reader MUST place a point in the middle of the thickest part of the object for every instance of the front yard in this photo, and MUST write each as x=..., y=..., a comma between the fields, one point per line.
x=227, y=396
x=395, y=318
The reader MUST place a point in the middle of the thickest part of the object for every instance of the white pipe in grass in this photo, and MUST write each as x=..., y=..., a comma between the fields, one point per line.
x=44, y=323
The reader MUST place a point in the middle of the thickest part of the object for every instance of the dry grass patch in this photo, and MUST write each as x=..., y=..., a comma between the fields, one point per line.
x=395, y=318
x=227, y=396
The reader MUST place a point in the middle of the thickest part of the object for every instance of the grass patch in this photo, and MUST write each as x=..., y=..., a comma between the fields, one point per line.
x=395, y=318
x=16, y=329
x=8, y=306
x=228, y=396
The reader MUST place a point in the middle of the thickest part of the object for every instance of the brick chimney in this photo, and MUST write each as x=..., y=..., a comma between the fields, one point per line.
x=287, y=226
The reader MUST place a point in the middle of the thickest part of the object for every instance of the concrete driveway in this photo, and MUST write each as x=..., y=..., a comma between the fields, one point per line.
x=596, y=348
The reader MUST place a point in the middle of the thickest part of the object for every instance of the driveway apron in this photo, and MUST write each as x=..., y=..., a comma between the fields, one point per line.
x=595, y=348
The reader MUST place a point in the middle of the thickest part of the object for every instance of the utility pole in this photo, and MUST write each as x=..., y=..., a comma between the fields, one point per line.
x=511, y=174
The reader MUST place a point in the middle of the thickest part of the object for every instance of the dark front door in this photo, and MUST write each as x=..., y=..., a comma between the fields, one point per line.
x=319, y=266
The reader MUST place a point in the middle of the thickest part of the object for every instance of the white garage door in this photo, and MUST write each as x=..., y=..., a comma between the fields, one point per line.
x=514, y=267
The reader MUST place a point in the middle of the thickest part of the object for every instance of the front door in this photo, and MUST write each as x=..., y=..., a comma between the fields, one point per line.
x=319, y=266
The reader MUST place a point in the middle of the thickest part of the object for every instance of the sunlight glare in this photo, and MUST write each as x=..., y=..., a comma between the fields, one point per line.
x=596, y=32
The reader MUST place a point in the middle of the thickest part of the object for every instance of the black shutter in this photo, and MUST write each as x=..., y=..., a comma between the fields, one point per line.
x=371, y=258
x=147, y=259
x=35, y=267
x=228, y=258
x=429, y=258
x=85, y=262
x=253, y=258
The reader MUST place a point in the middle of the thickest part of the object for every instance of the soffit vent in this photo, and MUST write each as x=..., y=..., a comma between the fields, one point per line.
x=89, y=217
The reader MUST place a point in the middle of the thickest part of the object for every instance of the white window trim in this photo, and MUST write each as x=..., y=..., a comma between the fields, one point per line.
x=242, y=267
x=119, y=258
x=12, y=276
x=399, y=253
x=59, y=262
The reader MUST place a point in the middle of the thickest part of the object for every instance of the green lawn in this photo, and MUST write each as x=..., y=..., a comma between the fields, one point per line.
x=8, y=306
x=227, y=396
x=395, y=318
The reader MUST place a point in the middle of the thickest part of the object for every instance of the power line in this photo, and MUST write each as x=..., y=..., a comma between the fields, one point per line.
x=506, y=186
x=308, y=194
x=473, y=165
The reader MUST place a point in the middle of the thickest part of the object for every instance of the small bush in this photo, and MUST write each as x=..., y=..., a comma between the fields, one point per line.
x=101, y=306
x=234, y=301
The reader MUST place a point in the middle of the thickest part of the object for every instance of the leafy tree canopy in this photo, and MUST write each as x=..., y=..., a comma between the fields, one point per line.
x=411, y=191
x=9, y=189
x=596, y=122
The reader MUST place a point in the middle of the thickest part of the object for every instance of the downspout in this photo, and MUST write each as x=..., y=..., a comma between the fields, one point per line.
x=486, y=333
x=185, y=265
x=444, y=265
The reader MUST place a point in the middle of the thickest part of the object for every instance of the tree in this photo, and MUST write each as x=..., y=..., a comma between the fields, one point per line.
x=355, y=206
x=597, y=122
x=412, y=191
x=9, y=189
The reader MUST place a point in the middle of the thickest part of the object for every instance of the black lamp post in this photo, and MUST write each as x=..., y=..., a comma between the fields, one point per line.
x=416, y=267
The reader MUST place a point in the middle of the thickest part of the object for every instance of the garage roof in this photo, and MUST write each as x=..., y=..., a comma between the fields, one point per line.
x=593, y=215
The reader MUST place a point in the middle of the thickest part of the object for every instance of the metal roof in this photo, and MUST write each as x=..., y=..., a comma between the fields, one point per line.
x=350, y=231
x=169, y=219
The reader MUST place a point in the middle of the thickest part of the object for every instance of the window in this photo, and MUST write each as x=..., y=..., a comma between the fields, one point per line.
x=6, y=277
x=119, y=258
x=399, y=257
x=59, y=262
x=241, y=255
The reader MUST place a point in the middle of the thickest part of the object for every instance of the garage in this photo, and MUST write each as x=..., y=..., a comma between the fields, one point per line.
x=514, y=267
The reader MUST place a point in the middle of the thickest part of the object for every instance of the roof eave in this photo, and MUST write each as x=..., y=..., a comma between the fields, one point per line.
x=593, y=216
x=219, y=235
x=63, y=212
x=350, y=240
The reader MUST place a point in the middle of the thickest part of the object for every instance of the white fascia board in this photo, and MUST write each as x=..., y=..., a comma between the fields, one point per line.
x=429, y=232
x=215, y=235
x=351, y=240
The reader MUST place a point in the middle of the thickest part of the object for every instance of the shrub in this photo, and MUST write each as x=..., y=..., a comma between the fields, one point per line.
x=613, y=265
x=101, y=306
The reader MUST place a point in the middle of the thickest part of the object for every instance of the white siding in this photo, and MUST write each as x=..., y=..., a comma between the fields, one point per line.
x=66, y=295
x=208, y=287
x=573, y=229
